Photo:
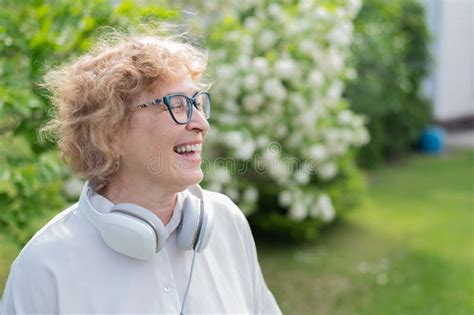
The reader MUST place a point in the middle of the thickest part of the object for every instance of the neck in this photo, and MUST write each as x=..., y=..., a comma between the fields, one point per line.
x=148, y=195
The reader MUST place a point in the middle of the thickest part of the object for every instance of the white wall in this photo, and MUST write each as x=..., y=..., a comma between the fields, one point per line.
x=452, y=83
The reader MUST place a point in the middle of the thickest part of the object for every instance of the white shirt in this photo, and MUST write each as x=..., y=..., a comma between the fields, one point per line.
x=67, y=268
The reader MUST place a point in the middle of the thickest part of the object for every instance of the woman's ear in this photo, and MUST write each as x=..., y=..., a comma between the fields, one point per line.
x=118, y=139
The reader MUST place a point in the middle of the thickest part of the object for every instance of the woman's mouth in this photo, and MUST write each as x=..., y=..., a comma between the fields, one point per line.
x=189, y=152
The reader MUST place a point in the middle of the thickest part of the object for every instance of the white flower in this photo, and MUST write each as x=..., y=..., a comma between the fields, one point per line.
x=340, y=13
x=361, y=137
x=323, y=209
x=250, y=82
x=307, y=46
x=221, y=175
x=245, y=150
x=345, y=117
x=302, y=176
x=267, y=39
x=213, y=186
x=73, y=187
x=298, y=101
x=252, y=102
x=295, y=28
x=318, y=152
x=261, y=66
x=256, y=121
x=262, y=141
x=337, y=148
x=250, y=194
x=232, y=89
x=311, y=166
x=228, y=119
x=316, y=78
x=354, y=6
x=327, y=170
x=252, y=24
x=308, y=118
x=357, y=121
x=230, y=106
x=286, y=69
x=281, y=130
x=278, y=169
x=297, y=211
x=305, y=5
x=335, y=90
x=225, y=72
x=347, y=136
x=234, y=138
x=233, y=36
x=270, y=154
x=246, y=45
x=244, y=62
x=322, y=13
x=284, y=198
x=274, y=89
x=334, y=61
x=275, y=10
x=338, y=37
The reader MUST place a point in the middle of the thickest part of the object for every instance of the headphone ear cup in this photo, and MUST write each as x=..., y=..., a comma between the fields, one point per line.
x=205, y=231
x=134, y=231
x=188, y=227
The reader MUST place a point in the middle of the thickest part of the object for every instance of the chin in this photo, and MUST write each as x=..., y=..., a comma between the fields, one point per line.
x=193, y=178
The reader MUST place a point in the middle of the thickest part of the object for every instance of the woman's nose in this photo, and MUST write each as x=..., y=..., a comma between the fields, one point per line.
x=198, y=121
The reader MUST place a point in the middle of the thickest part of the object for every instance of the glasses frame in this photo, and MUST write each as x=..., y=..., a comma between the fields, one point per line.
x=165, y=100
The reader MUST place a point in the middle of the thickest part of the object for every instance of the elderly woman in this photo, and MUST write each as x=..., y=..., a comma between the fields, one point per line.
x=132, y=119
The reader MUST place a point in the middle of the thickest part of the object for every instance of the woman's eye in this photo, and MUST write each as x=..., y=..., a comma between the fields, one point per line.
x=177, y=108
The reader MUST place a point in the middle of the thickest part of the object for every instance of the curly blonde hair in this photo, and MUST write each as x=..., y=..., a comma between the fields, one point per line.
x=93, y=95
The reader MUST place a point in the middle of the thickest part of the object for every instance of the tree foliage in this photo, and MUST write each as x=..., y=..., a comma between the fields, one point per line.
x=390, y=54
x=35, y=36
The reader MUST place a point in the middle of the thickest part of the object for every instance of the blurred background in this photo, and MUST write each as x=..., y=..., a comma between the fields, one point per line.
x=343, y=129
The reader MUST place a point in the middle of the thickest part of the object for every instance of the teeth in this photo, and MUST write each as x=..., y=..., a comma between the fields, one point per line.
x=189, y=148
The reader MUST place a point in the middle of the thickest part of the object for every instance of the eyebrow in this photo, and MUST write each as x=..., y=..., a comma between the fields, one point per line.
x=194, y=92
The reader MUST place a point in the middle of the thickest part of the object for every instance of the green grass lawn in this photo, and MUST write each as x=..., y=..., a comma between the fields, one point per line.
x=408, y=249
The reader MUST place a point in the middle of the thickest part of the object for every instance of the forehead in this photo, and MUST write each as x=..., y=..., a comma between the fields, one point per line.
x=186, y=86
x=160, y=89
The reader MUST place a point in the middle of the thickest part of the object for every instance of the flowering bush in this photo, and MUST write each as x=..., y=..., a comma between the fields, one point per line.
x=282, y=136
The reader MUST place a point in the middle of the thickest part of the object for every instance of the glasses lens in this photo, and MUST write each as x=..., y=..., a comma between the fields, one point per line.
x=179, y=108
x=203, y=104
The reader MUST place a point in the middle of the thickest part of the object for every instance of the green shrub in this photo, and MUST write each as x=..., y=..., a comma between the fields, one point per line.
x=33, y=37
x=390, y=54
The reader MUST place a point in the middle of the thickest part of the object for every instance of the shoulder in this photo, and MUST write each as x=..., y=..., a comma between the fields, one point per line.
x=34, y=275
x=63, y=237
x=223, y=205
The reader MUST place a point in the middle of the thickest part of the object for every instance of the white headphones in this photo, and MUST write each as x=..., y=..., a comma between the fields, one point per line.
x=138, y=233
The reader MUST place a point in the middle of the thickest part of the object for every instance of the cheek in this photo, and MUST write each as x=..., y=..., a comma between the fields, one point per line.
x=153, y=137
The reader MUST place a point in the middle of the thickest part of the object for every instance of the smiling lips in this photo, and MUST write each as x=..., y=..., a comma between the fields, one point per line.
x=186, y=148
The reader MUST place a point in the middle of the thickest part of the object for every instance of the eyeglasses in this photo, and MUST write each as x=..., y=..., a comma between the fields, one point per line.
x=180, y=106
